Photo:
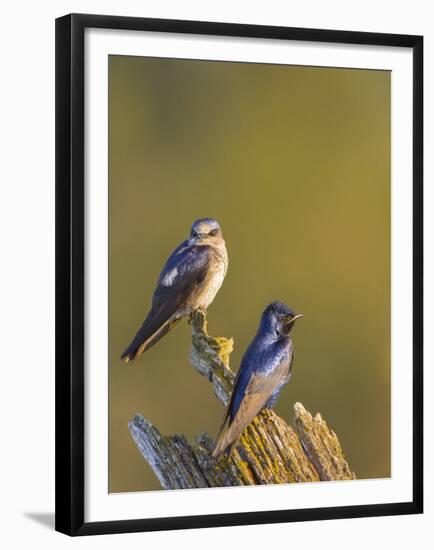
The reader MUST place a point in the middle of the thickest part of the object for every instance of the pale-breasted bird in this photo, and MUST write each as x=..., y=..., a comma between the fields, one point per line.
x=190, y=279
x=265, y=368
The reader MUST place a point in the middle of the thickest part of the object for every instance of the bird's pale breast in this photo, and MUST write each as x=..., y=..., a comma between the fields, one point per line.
x=207, y=291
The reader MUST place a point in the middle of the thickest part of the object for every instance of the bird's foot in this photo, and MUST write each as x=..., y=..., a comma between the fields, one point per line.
x=202, y=316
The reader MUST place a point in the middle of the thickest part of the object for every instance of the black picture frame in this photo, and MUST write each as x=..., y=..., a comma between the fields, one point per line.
x=70, y=239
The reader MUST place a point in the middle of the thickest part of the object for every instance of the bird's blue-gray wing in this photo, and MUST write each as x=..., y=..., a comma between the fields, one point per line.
x=184, y=271
x=261, y=371
x=252, y=389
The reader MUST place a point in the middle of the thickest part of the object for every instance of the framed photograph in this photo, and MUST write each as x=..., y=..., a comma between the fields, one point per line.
x=238, y=274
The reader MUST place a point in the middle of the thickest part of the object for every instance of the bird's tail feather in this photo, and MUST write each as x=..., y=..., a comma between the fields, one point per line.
x=227, y=439
x=250, y=407
x=146, y=338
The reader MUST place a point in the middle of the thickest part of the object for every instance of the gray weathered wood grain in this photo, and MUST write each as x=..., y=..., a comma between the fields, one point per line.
x=269, y=451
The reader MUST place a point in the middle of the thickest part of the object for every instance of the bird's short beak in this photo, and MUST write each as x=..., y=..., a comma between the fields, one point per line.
x=291, y=319
x=197, y=238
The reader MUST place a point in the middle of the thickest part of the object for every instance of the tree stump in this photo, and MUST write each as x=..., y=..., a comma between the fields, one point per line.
x=269, y=450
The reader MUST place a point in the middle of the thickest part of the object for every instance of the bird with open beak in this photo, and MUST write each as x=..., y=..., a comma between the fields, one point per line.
x=265, y=368
x=190, y=280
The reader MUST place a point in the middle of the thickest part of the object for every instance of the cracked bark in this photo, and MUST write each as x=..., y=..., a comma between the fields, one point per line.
x=269, y=451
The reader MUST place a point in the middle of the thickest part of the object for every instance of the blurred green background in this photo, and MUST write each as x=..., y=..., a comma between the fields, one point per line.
x=294, y=162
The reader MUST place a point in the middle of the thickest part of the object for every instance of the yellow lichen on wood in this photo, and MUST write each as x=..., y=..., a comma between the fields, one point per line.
x=322, y=445
x=269, y=451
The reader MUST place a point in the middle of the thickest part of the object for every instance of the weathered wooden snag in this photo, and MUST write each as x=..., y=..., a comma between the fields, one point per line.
x=269, y=451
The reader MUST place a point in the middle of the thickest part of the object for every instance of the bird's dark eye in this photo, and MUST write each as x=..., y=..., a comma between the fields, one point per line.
x=193, y=234
x=213, y=232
